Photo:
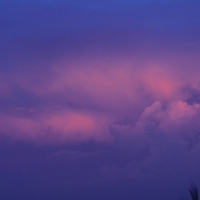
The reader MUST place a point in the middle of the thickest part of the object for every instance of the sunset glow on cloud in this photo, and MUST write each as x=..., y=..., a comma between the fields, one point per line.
x=83, y=91
x=99, y=100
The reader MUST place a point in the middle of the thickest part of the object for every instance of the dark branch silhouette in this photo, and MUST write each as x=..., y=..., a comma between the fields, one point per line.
x=193, y=191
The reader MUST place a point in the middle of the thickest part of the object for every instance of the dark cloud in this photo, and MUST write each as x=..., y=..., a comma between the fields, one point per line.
x=192, y=94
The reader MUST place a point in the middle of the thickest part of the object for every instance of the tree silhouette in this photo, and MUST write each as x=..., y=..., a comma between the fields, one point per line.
x=193, y=191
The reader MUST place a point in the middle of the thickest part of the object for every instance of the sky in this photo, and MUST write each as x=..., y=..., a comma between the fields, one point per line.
x=99, y=99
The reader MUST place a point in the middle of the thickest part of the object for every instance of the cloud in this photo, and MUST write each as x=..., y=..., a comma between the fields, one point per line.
x=176, y=120
x=160, y=82
x=85, y=98
x=55, y=128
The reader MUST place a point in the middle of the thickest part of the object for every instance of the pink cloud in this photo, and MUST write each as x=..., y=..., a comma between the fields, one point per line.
x=108, y=81
x=177, y=120
x=159, y=82
x=53, y=128
x=114, y=87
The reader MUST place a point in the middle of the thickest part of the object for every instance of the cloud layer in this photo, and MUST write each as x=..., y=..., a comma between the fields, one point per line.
x=79, y=99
